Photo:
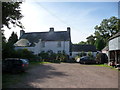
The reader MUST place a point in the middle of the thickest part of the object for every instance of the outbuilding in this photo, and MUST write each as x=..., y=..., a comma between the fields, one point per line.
x=114, y=48
x=77, y=49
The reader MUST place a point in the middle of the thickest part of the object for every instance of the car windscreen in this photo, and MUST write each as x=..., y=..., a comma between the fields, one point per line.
x=24, y=61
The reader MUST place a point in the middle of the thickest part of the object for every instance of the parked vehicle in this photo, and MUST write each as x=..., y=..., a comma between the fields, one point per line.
x=25, y=60
x=87, y=60
x=117, y=66
x=101, y=58
x=14, y=65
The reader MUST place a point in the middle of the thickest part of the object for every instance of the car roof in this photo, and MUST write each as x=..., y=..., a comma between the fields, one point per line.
x=84, y=56
x=12, y=59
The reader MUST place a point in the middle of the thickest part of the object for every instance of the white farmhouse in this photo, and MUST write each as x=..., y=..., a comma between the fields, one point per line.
x=57, y=41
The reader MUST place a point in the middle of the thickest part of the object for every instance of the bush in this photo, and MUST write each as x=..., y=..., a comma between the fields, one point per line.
x=43, y=55
x=50, y=56
x=24, y=53
x=90, y=54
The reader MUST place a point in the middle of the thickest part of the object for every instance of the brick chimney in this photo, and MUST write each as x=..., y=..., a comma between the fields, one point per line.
x=68, y=29
x=21, y=32
x=51, y=29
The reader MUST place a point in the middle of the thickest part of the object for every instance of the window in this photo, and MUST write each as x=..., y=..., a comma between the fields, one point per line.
x=43, y=44
x=59, y=44
x=59, y=51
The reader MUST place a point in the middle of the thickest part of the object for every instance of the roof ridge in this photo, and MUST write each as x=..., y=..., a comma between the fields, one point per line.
x=44, y=32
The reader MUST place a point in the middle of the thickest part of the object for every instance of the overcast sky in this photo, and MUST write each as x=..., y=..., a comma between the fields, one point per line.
x=81, y=17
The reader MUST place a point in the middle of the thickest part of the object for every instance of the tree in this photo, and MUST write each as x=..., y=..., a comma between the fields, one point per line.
x=107, y=28
x=7, y=47
x=24, y=53
x=11, y=14
x=99, y=43
x=3, y=39
x=82, y=43
x=13, y=38
x=91, y=40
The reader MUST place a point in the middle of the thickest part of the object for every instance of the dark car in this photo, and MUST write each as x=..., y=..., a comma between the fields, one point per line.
x=87, y=60
x=14, y=65
x=25, y=60
x=102, y=58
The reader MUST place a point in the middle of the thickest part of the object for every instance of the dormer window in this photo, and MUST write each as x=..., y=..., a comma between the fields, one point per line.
x=59, y=44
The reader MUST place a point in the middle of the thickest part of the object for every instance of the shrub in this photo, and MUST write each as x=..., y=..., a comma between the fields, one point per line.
x=44, y=56
x=50, y=56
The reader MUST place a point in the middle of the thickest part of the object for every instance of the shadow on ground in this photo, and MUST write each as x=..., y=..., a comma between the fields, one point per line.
x=35, y=75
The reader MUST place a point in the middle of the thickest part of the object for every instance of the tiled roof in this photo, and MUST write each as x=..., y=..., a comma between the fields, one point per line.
x=105, y=48
x=34, y=37
x=46, y=36
x=85, y=48
x=22, y=42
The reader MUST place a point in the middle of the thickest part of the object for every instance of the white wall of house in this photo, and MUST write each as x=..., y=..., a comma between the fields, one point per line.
x=29, y=48
x=49, y=45
x=53, y=45
x=106, y=52
x=114, y=44
x=74, y=54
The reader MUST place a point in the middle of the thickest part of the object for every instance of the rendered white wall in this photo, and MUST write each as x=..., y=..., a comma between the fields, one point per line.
x=49, y=45
x=52, y=45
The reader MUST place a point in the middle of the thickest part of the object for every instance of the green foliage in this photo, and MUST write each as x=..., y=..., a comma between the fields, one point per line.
x=90, y=54
x=82, y=43
x=76, y=57
x=90, y=40
x=24, y=53
x=49, y=56
x=80, y=55
x=106, y=29
x=9, y=52
x=100, y=44
x=44, y=55
x=11, y=14
x=20, y=53
x=3, y=36
x=83, y=53
x=8, y=47
x=13, y=38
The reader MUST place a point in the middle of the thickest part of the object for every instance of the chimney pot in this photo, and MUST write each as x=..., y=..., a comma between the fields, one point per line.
x=68, y=29
x=51, y=29
x=21, y=32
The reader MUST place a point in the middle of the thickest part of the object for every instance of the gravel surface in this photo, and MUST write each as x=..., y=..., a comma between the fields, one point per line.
x=69, y=75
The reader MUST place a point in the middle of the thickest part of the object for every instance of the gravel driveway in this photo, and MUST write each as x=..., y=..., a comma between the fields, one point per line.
x=69, y=75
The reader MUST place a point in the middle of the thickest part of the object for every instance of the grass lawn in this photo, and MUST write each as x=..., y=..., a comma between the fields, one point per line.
x=105, y=65
x=37, y=62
